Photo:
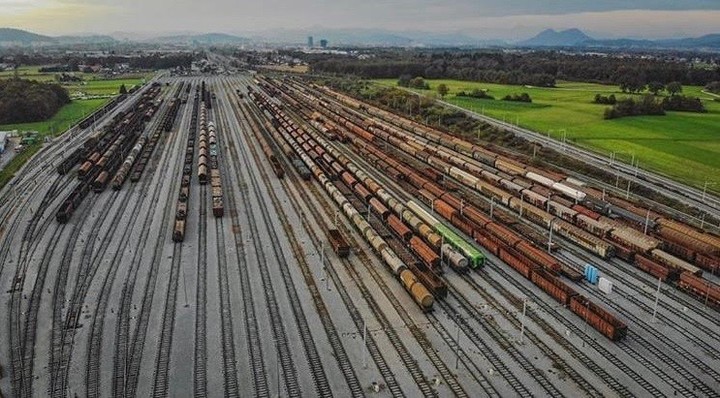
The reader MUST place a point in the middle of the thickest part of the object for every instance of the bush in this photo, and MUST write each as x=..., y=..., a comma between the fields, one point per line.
x=683, y=103
x=601, y=99
x=713, y=87
x=419, y=83
x=524, y=97
x=477, y=93
x=629, y=107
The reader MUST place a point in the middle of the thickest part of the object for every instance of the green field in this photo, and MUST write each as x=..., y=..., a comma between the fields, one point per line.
x=93, y=84
x=64, y=118
x=683, y=145
x=103, y=86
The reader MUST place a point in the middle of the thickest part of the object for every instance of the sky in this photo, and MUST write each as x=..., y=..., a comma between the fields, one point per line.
x=489, y=19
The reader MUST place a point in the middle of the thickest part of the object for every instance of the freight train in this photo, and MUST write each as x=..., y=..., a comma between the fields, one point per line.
x=609, y=326
x=611, y=234
x=181, y=205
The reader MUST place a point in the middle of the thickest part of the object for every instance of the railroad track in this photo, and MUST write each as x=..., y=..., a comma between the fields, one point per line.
x=22, y=341
x=92, y=378
x=252, y=330
x=580, y=381
x=322, y=386
x=501, y=339
x=430, y=351
x=231, y=383
x=162, y=360
x=612, y=267
x=63, y=328
x=541, y=301
x=512, y=380
x=86, y=272
x=232, y=387
x=31, y=317
x=647, y=346
x=128, y=351
x=613, y=383
x=200, y=352
x=664, y=185
x=353, y=312
x=333, y=337
x=405, y=356
x=284, y=355
x=23, y=366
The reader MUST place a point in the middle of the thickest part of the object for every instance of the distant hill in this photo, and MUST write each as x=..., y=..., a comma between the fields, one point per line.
x=89, y=39
x=365, y=37
x=11, y=36
x=711, y=41
x=201, y=39
x=553, y=38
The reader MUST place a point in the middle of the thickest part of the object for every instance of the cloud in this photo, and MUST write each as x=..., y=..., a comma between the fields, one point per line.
x=487, y=18
x=55, y=17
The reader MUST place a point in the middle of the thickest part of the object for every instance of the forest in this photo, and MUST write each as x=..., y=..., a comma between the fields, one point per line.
x=541, y=68
x=69, y=63
x=23, y=101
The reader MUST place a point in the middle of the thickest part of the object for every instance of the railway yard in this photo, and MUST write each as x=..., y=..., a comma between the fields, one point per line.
x=251, y=235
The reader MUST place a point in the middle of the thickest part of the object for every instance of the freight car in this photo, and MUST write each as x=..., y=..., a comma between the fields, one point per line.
x=603, y=321
x=407, y=278
x=338, y=243
x=700, y=288
x=474, y=256
x=179, y=231
x=593, y=312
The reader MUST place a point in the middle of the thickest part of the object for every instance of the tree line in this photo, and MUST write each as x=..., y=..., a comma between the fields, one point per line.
x=541, y=68
x=23, y=101
x=70, y=63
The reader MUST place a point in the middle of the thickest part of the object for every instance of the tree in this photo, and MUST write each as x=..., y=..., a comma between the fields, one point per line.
x=419, y=83
x=655, y=87
x=123, y=90
x=713, y=87
x=674, y=88
x=443, y=90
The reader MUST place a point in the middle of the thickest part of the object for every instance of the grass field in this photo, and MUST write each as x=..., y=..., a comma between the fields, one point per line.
x=93, y=84
x=64, y=118
x=683, y=145
x=102, y=86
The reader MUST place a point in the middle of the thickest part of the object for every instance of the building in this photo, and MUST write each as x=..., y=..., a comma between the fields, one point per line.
x=323, y=43
x=310, y=42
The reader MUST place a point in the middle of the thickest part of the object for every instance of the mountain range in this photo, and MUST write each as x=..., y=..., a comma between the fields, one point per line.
x=576, y=38
x=361, y=37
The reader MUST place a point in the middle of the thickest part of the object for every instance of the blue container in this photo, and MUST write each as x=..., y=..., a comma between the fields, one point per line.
x=591, y=274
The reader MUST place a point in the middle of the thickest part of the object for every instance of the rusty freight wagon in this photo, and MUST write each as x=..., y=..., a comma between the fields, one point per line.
x=338, y=243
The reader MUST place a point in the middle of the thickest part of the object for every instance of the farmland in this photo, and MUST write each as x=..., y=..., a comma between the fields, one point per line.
x=92, y=84
x=682, y=145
